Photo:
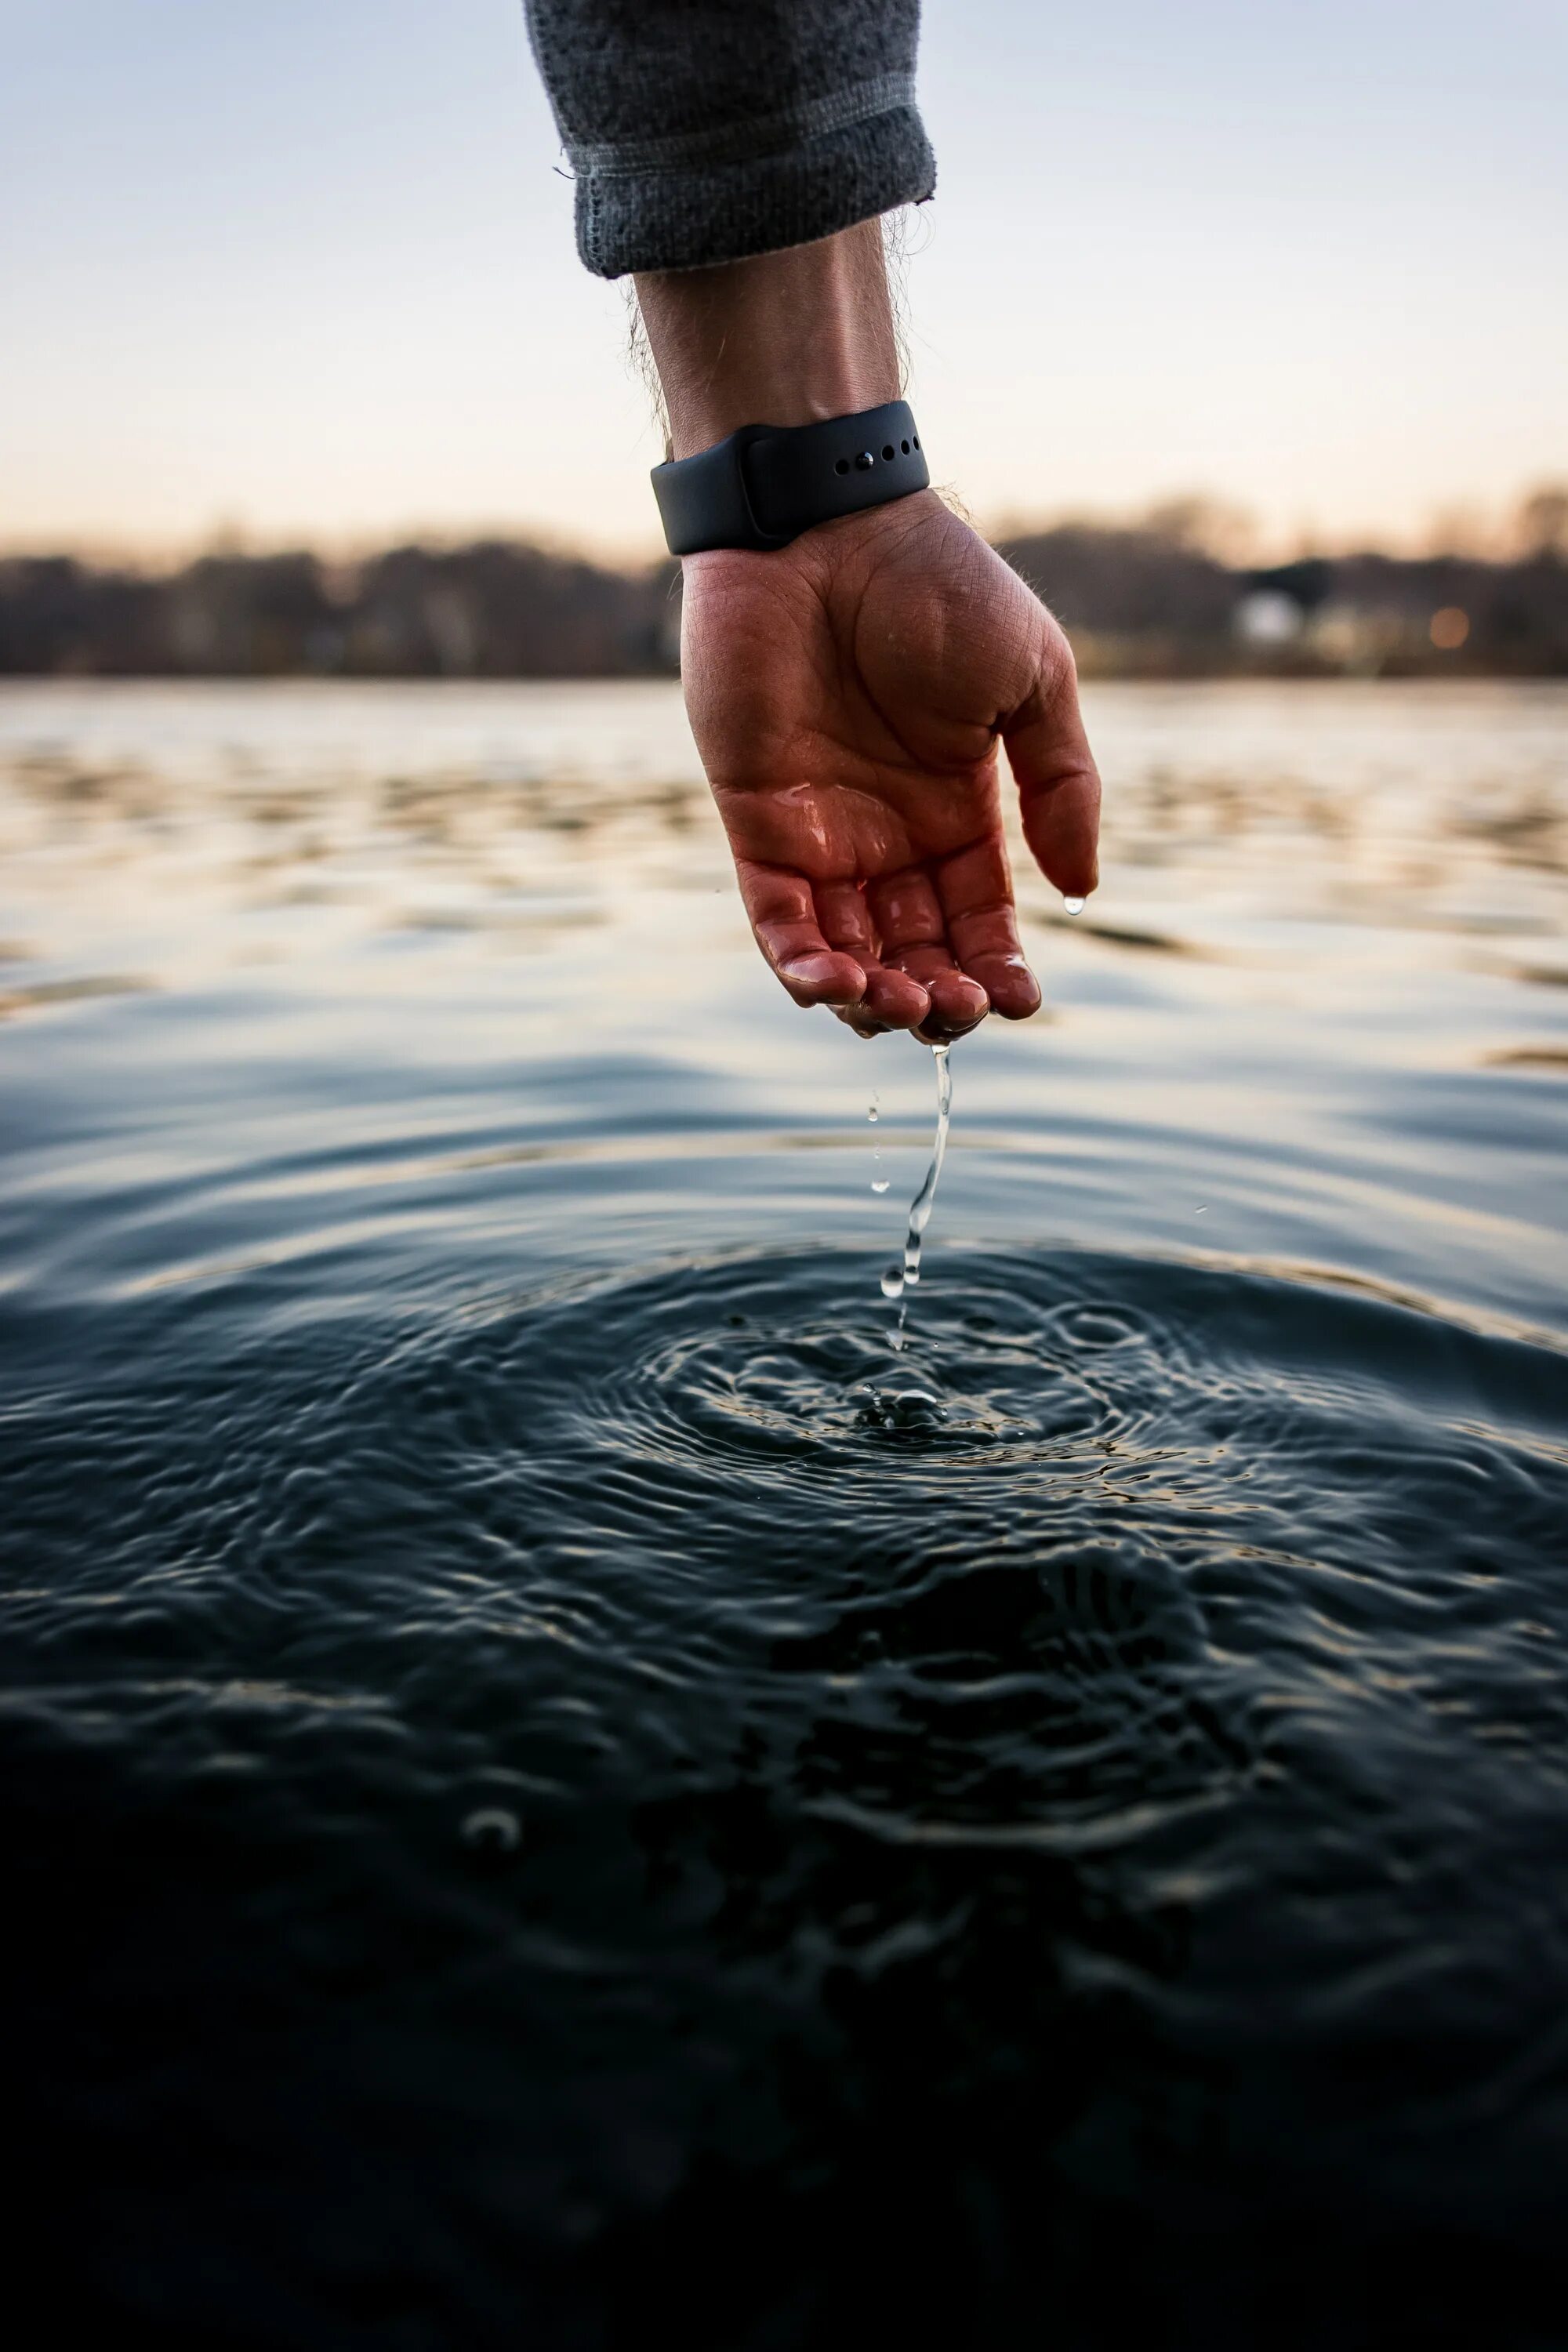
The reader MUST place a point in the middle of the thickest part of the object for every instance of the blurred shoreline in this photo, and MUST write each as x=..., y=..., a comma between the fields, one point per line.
x=1144, y=600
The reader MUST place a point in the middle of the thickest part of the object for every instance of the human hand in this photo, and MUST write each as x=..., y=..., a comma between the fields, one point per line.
x=848, y=694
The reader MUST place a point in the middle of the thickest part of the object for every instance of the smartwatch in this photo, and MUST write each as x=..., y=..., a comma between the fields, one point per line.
x=764, y=485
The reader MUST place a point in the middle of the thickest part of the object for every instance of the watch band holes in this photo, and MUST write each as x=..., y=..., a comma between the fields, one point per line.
x=842, y=467
x=889, y=452
x=905, y=448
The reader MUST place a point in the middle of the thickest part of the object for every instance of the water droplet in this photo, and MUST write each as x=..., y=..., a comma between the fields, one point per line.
x=912, y=1409
x=898, y=1408
x=871, y=1114
x=492, y=1830
x=1075, y=906
x=893, y=1282
x=879, y=1184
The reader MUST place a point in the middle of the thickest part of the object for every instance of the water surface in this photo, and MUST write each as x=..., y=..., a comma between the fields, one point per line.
x=534, y=1799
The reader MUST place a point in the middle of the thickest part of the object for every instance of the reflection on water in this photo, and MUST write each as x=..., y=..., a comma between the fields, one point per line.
x=555, y=1775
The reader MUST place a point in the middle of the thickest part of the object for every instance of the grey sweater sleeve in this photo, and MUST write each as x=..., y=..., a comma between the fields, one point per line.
x=702, y=131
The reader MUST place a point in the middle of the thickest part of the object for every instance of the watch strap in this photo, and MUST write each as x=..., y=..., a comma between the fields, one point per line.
x=762, y=485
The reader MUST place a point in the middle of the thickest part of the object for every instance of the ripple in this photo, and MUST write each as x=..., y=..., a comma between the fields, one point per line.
x=742, y=1428
x=656, y=1725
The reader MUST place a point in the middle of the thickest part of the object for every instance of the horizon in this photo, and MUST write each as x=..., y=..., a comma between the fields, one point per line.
x=1463, y=534
x=310, y=281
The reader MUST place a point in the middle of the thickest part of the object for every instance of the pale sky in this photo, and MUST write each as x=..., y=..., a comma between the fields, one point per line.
x=305, y=268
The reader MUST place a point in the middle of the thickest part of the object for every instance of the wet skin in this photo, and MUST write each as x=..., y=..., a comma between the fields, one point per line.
x=849, y=695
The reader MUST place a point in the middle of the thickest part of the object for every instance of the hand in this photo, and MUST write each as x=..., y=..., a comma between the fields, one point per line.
x=848, y=694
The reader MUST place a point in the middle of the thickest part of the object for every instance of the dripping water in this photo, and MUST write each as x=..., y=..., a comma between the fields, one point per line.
x=898, y=1281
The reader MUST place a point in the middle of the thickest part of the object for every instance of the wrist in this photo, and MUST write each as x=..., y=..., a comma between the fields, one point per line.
x=789, y=338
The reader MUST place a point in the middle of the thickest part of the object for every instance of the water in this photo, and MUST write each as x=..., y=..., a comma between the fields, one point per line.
x=901, y=1280
x=541, y=1800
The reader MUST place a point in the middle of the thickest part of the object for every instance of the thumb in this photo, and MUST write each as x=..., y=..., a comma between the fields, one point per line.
x=1058, y=783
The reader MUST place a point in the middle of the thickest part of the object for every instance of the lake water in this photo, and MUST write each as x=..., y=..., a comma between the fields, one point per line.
x=537, y=1809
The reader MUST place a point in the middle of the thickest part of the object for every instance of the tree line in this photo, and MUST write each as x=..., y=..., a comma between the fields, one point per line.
x=1146, y=599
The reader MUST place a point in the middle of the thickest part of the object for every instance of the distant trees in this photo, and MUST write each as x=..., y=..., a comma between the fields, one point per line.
x=1121, y=587
x=1172, y=595
x=1542, y=521
x=493, y=610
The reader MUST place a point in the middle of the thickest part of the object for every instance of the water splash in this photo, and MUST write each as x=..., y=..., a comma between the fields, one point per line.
x=898, y=1282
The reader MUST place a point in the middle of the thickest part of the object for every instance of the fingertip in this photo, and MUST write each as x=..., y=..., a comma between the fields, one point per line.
x=1075, y=874
x=822, y=977
x=857, y=1018
x=957, y=997
x=1062, y=828
x=896, y=999
x=1014, y=990
x=957, y=1006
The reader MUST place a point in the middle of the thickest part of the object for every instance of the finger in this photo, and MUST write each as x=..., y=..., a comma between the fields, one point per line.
x=1058, y=785
x=975, y=889
x=783, y=919
x=852, y=1019
x=906, y=911
x=895, y=998
x=958, y=1004
x=892, y=1000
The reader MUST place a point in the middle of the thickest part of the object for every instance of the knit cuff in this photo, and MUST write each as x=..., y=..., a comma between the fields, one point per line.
x=750, y=188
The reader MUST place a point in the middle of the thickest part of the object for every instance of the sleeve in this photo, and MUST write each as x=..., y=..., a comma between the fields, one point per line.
x=703, y=130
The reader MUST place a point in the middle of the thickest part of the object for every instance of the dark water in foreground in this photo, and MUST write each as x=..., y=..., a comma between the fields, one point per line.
x=537, y=1809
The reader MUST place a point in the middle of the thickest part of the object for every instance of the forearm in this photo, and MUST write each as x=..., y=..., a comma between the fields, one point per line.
x=785, y=338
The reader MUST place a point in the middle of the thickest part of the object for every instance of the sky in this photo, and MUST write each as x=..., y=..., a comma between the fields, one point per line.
x=302, y=270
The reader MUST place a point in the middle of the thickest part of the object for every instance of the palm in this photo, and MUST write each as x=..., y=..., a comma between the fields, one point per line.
x=847, y=695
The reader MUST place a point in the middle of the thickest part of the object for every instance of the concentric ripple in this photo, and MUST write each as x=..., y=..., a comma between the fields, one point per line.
x=736, y=1775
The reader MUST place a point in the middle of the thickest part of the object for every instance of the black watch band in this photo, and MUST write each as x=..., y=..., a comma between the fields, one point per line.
x=767, y=483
